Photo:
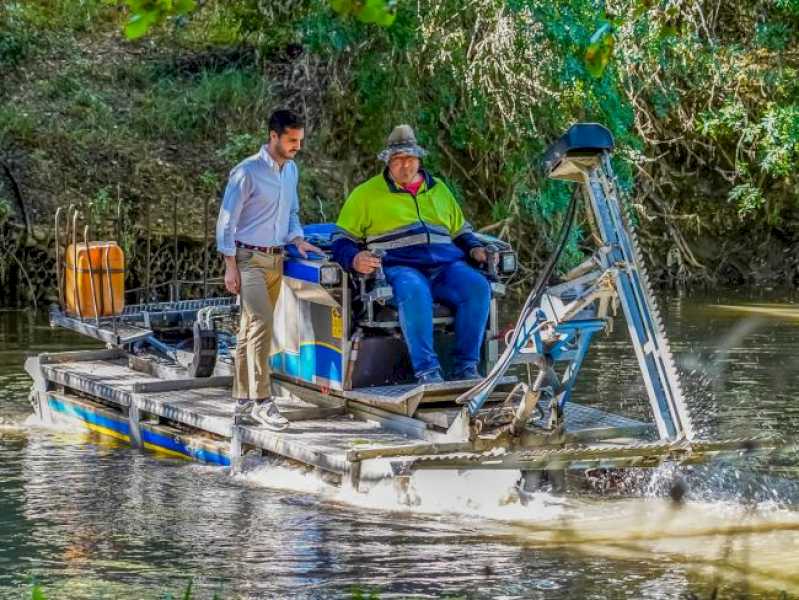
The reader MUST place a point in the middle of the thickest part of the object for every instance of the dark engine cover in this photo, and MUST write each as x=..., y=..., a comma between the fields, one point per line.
x=581, y=137
x=384, y=359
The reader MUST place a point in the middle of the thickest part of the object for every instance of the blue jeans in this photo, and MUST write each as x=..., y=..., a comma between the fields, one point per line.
x=463, y=289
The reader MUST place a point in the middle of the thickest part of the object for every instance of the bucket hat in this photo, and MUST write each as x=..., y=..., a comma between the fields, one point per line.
x=402, y=140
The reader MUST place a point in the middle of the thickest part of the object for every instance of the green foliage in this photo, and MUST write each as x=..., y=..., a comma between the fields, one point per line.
x=15, y=46
x=748, y=197
x=100, y=208
x=599, y=50
x=790, y=7
x=207, y=105
x=17, y=41
x=59, y=15
x=209, y=180
x=186, y=595
x=702, y=103
x=774, y=36
x=37, y=593
x=146, y=14
x=779, y=140
x=380, y=12
x=238, y=147
x=724, y=121
x=16, y=124
x=6, y=209
x=361, y=594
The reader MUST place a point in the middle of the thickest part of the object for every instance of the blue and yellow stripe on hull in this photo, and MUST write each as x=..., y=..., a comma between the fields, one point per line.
x=157, y=438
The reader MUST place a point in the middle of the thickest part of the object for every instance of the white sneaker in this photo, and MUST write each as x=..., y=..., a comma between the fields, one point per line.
x=242, y=411
x=268, y=414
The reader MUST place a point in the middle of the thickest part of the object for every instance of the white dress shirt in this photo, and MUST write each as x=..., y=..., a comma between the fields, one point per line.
x=261, y=205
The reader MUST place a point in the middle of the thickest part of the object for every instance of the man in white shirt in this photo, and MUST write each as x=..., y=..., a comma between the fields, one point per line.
x=258, y=217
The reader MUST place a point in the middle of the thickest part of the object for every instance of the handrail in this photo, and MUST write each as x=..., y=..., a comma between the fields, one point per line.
x=91, y=274
x=59, y=282
x=75, y=262
x=107, y=268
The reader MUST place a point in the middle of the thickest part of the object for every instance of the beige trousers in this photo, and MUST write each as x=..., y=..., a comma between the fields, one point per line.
x=260, y=287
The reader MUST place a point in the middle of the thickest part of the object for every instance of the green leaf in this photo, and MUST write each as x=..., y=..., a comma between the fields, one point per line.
x=37, y=593
x=371, y=10
x=600, y=49
x=386, y=18
x=342, y=7
x=138, y=25
x=667, y=30
x=182, y=7
x=187, y=593
x=380, y=12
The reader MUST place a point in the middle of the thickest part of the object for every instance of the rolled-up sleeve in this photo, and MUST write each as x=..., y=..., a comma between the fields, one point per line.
x=237, y=190
x=295, y=227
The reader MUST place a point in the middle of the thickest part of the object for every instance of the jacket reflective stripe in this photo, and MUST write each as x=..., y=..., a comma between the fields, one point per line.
x=465, y=228
x=340, y=232
x=410, y=240
x=399, y=232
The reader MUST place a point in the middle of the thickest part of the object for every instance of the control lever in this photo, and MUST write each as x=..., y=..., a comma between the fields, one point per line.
x=381, y=291
x=380, y=276
x=492, y=252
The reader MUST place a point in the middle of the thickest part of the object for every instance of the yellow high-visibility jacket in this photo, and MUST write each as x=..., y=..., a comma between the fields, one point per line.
x=423, y=231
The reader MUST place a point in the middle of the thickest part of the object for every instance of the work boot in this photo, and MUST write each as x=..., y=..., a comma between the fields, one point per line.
x=467, y=372
x=268, y=414
x=242, y=411
x=432, y=376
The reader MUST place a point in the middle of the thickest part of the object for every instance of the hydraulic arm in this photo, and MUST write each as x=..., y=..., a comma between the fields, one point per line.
x=557, y=323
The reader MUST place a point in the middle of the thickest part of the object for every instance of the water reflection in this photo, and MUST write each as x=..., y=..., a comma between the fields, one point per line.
x=739, y=371
x=92, y=519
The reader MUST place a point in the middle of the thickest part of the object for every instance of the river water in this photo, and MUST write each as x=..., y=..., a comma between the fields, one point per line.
x=88, y=518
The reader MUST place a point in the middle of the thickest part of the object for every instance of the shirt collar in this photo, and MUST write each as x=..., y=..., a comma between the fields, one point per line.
x=271, y=162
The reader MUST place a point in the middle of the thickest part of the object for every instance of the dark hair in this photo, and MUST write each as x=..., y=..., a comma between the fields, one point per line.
x=280, y=120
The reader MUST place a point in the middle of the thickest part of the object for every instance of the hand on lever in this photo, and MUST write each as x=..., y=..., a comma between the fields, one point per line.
x=479, y=254
x=365, y=262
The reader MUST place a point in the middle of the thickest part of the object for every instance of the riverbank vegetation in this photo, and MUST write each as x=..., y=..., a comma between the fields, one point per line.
x=701, y=95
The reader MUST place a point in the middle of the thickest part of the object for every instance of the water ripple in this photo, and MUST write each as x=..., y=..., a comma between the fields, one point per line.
x=93, y=519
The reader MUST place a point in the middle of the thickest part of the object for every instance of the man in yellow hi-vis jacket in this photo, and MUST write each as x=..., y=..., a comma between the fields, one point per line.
x=415, y=219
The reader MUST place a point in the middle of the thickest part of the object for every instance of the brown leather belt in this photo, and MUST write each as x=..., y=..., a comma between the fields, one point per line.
x=264, y=249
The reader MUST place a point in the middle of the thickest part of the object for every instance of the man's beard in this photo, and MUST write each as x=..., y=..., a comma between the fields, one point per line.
x=283, y=153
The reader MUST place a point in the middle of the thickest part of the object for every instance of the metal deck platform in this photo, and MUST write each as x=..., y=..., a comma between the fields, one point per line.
x=405, y=399
x=137, y=321
x=337, y=434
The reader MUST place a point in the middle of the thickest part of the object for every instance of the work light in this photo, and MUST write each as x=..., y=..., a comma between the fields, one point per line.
x=507, y=262
x=330, y=275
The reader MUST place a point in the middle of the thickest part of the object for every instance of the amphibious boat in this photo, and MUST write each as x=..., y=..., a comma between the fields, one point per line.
x=342, y=374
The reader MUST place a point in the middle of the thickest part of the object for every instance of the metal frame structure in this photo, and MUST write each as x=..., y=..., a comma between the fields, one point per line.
x=561, y=327
x=493, y=423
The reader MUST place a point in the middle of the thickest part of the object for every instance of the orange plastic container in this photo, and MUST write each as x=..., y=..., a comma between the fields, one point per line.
x=102, y=263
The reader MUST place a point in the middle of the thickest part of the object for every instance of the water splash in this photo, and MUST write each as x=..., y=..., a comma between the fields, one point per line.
x=483, y=494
